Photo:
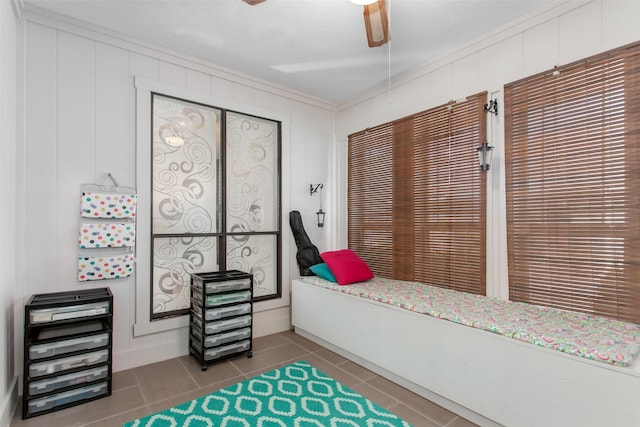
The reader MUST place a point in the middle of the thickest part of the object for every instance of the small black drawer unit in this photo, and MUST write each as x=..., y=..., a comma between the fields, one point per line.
x=67, y=349
x=221, y=315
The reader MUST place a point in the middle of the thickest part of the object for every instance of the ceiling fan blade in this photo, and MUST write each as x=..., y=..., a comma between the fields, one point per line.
x=253, y=2
x=376, y=23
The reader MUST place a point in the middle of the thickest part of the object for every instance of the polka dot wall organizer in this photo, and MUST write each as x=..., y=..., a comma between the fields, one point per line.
x=108, y=205
x=106, y=234
x=104, y=267
x=107, y=231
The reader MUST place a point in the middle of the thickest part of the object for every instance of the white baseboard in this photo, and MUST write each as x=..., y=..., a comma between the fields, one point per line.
x=146, y=355
x=264, y=323
x=271, y=321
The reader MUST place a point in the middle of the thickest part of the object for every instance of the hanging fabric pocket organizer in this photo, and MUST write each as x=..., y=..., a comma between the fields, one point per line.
x=107, y=231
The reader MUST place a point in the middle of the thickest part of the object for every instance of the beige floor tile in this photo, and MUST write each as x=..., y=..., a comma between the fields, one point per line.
x=175, y=400
x=162, y=380
x=357, y=370
x=461, y=422
x=195, y=394
x=374, y=395
x=331, y=356
x=412, y=417
x=120, y=401
x=430, y=409
x=47, y=420
x=267, y=342
x=302, y=341
x=270, y=357
x=333, y=371
x=123, y=379
x=211, y=388
x=414, y=401
x=144, y=390
x=119, y=419
x=215, y=373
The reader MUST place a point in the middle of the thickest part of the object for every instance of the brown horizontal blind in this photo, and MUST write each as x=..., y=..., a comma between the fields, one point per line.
x=450, y=196
x=370, y=198
x=417, y=197
x=573, y=186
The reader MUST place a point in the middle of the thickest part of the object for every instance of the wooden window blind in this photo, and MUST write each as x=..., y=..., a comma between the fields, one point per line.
x=573, y=186
x=417, y=197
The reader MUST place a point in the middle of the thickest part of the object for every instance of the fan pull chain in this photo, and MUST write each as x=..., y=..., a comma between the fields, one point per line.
x=389, y=54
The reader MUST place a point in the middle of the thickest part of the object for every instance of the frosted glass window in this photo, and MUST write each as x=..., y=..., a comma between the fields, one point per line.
x=256, y=253
x=174, y=260
x=186, y=140
x=215, y=199
x=252, y=174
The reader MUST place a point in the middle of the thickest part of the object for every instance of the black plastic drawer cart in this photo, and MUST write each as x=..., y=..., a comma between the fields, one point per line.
x=67, y=349
x=221, y=317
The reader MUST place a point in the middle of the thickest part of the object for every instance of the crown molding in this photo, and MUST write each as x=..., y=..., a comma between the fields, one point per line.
x=18, y=7
x=70, y=25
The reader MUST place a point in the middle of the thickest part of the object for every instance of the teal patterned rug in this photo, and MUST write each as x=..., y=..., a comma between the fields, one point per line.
x=296, y=395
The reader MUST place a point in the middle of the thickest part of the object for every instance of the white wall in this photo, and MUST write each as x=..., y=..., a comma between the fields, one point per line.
x=76, y=121
x=80, y=123
x=564, y=33
x=8, y=274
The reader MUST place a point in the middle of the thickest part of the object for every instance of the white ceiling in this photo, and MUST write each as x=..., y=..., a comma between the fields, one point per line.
x=317, y=47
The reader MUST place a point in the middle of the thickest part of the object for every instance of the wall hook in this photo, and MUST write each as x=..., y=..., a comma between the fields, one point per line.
x=491, y=107
x=314, y=189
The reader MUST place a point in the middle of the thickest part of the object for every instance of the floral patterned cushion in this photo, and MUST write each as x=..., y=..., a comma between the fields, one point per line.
x=593, y=337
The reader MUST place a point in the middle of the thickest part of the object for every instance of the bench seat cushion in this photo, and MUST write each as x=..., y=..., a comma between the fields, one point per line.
x=592, y=337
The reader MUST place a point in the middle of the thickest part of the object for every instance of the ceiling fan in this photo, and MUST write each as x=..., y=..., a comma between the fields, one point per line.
x=376, y=22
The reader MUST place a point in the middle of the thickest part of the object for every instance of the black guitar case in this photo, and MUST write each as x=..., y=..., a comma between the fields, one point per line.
x=307, y=254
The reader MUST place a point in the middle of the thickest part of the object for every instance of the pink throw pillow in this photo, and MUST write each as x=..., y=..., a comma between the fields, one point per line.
x=346, y=266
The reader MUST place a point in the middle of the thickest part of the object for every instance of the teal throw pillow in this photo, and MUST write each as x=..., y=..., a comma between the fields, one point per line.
x=323, y=271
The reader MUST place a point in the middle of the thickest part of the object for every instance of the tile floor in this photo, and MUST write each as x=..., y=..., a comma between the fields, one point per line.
x=141, y=391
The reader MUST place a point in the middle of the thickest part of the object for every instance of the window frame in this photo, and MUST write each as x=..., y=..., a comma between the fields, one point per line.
x=144, y=324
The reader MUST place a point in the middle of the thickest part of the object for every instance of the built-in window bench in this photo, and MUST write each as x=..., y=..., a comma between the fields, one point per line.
x=491, y=361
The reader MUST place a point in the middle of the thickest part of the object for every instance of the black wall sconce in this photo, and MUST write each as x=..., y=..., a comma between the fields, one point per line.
x=313, y=189
x=485, y=152
x=491, y=107
x=321, y=214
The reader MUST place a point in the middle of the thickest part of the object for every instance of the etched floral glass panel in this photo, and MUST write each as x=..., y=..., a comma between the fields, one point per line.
x=186, y=205
x=256, y=254
x=174, y=260
x=253, y=200
x=252, y=173
x=185, y=156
